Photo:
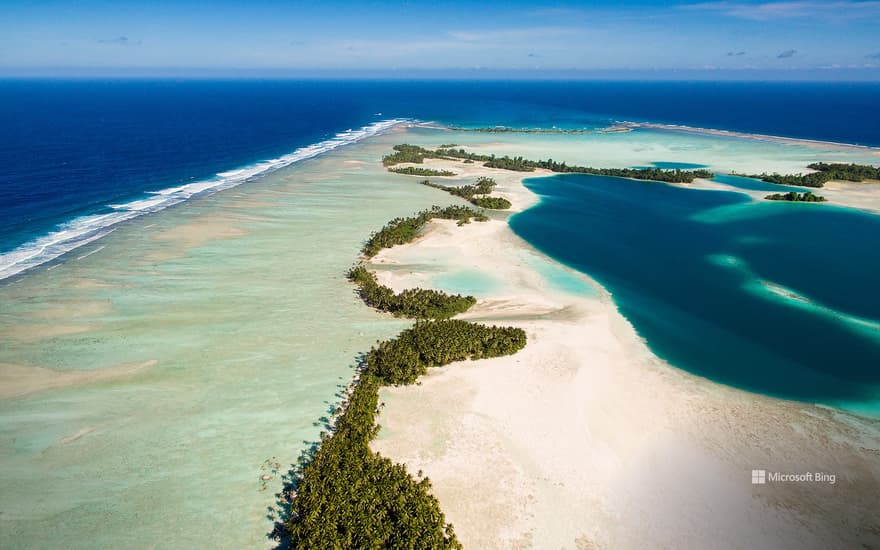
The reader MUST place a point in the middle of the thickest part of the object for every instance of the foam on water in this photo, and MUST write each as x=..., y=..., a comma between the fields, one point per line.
x=86, y=229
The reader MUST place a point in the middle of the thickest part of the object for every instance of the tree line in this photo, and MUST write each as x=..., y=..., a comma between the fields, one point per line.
x=796, y=197
x=404, y=230
x=483, y=186
x=408, y=153
x=342, y=494
x=417, y=154
x=824, y=172
x=415, y=303
x=347, y=496
x=436, y=343
x=416, y=171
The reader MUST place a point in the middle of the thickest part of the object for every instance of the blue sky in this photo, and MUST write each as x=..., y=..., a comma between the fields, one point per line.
x=642, y=37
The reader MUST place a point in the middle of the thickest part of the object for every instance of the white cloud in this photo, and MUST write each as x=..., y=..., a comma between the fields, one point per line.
x=838, y=9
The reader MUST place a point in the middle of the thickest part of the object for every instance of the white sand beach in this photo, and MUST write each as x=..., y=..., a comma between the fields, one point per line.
x=586, y=440
x=861, y=196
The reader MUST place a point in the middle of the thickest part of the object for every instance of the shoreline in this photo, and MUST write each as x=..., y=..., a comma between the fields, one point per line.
x=639, y=438
x=746, y=135
x=85, y=229
x=856, y=196
x=625, y=126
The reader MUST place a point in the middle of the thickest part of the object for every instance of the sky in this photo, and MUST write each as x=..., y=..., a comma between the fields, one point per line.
x=827, y=39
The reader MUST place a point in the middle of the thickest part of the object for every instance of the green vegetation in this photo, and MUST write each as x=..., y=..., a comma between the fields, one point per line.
x=416, y=171
x=415, y=303
x=414, y=153
x=520, y=164
x=343, y=495
x=824, y=173
x=491, y=203
x=408, y=153
x=436, y=343
x=847, y=172
x=796, y=197
x=347, y=496
x=483, y=186
x=448, y=145
x=404, y=230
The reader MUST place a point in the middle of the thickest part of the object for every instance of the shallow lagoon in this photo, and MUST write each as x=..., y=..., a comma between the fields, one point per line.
x=223, y=327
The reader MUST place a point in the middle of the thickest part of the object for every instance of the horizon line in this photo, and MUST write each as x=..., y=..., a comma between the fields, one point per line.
x=835, y=74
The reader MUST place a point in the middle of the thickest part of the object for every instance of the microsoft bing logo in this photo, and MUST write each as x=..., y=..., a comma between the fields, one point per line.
x=759, y=477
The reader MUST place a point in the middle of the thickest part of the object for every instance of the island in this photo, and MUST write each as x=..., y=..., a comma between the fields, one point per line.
x=406, y=153
x=824, y=172
x=482, y=187
x=341, y=493
x=415, y=171
x=796, y=197
x=404, y=230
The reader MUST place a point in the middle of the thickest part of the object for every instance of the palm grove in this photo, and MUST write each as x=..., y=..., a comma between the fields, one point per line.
x=342, y=494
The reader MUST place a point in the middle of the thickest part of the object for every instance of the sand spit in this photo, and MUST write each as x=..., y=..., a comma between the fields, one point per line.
x=585, y=439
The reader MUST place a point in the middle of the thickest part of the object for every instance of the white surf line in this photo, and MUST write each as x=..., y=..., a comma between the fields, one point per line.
x=85, y=229
x=745, y=135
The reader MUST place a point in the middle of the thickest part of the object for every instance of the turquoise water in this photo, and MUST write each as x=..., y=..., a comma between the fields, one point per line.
x=220, y=332
x=222, y=328
x=468, y=282
x=752, y=184
x=776, y=298
x=558, y=277
x=673, y=166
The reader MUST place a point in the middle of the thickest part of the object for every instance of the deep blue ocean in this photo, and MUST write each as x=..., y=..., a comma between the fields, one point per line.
x=71, y=148
x=80, y=154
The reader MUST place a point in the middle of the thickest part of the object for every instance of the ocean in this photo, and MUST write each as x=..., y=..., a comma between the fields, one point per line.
x=80, y=156
x=189, y=341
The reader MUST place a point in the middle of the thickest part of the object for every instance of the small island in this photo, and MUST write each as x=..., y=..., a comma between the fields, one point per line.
x=404, y=230
x=415, y=154
x=483, y=187
x=491, y=203
x=415, y=303
x=824, y=172
x=416, y=171
x=796, y=197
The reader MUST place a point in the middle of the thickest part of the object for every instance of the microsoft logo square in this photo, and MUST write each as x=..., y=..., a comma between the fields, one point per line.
x=759, y=477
